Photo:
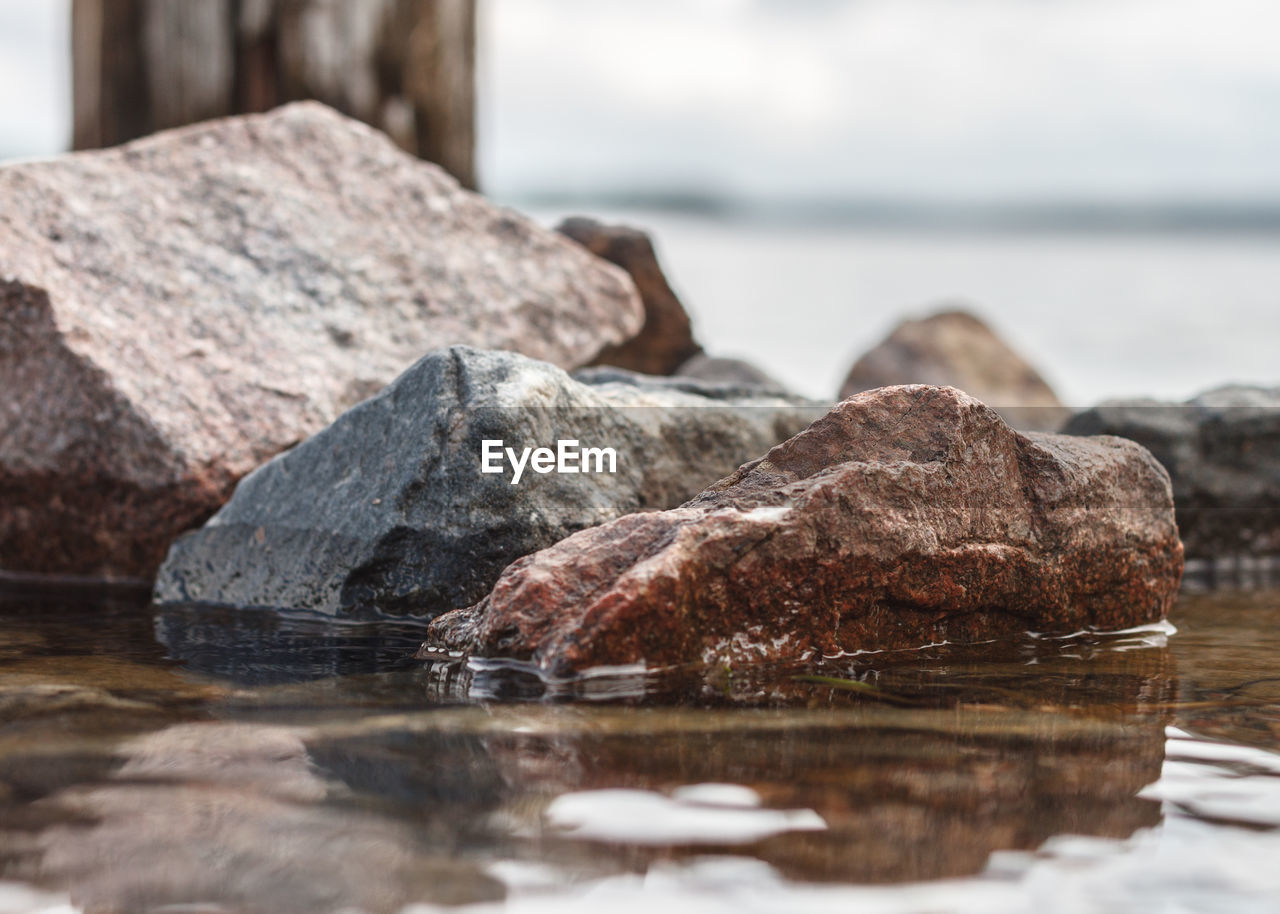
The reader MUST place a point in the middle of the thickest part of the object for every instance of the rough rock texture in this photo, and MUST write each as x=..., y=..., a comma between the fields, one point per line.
x=955, y=349
x=387, y=510
x=905, y=516
x=1222, y=451
x=666, y=340
x=176, y=311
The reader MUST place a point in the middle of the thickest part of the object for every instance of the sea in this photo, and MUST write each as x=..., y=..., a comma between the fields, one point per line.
x=1133, y=304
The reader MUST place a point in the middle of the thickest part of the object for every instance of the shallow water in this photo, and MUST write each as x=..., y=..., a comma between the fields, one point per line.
x=204, y=761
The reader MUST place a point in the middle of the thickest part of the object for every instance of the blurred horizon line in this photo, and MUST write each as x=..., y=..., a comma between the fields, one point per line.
x=922, y=213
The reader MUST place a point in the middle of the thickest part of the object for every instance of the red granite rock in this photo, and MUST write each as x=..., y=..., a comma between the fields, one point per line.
x=176, y=311
x=906, y=516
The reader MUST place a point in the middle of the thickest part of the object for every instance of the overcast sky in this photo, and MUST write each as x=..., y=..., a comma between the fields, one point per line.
x=35, y=78
x=981, y=98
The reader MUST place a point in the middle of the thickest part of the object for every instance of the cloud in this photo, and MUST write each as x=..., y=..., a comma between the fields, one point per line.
x=986, y=97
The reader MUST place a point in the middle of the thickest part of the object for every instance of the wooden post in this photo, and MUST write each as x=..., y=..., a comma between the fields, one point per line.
x=405, y=66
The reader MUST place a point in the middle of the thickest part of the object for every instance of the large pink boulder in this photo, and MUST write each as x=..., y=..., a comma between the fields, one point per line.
x=176, y=311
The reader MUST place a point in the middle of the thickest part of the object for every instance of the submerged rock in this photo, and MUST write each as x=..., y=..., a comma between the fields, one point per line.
x=905, y=516
x=176, y=311
x=666, y=340
x=1222, y=451
x=389, y=510
x=955, y=349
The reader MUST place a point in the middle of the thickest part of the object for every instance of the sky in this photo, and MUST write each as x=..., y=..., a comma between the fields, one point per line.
x=981, y=99
x=35, y=77
x=975, y=99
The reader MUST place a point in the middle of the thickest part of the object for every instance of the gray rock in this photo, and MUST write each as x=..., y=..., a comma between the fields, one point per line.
x=720, y=370
x=728, y=386
x=1222, y=451
x=176, y=311
x=387, y=510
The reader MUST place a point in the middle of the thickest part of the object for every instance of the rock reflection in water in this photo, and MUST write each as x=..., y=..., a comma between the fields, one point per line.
x=261, y=647
x=904, y=797
x=989, y=756
x=378, y=790
x=1229, y=666
x=236, y=817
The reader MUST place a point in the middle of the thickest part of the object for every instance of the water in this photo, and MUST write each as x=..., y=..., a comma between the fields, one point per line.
x=1102, y=314
x=178, y=760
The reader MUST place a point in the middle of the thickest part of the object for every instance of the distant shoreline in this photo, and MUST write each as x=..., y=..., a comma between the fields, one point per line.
x=1085, y=217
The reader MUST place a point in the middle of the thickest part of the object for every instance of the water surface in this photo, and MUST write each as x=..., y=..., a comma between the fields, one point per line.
x=1099, y=314
x=197, y=760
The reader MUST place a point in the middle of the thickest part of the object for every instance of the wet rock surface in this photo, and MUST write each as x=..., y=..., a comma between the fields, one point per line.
x=955, y=349
x=1222, y=451
x=666, y=339
x=388, y=510
x=906, y=516
x=176, y=311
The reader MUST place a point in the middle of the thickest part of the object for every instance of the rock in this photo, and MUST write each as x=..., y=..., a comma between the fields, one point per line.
x=721, y=388
x=666, y=340
x=387, y=510
x=1222, y=451
x=906, y=516
x=665, y=346
x=176, y=311
x=953, y=348
x=729, y=371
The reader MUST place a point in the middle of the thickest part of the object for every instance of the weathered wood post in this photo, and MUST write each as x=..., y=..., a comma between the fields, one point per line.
x=404, y=66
